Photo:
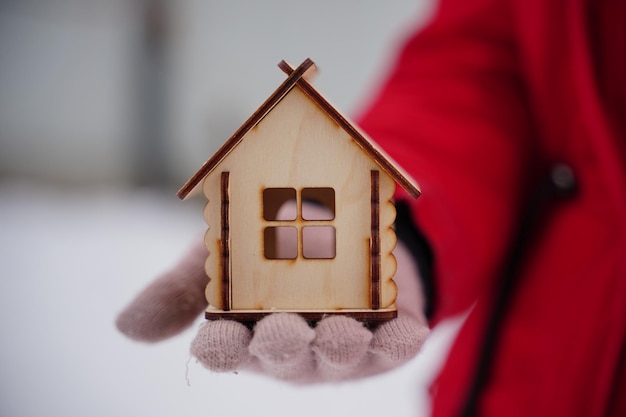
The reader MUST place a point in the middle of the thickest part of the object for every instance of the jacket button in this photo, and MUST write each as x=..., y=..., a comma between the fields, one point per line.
x=563, y=180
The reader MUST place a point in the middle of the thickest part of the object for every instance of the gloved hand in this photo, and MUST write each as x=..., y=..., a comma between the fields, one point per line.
x=283, y=344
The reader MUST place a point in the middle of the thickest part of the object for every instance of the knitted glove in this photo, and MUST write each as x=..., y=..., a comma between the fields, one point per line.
x=282, y=345
x=169, y=304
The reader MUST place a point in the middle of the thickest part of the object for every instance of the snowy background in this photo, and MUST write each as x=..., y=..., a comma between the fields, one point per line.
x=98, y=126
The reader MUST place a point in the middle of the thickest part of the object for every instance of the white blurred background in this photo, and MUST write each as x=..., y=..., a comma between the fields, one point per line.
x=106, y=107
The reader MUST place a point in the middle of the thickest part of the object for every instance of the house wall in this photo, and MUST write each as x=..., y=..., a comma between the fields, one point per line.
x=297, y=145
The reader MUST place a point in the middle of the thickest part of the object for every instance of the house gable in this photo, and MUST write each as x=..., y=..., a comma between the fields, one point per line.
x=295, y=78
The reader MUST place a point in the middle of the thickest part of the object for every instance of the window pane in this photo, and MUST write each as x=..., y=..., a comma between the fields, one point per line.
x=318, y=242
x=280, y=242
x=279, y=204
x=321, y=203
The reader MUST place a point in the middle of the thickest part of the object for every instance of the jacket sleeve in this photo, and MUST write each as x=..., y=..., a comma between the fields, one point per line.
x=453, y=113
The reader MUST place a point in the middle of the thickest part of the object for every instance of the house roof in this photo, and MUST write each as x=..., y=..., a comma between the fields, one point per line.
x=295, y=77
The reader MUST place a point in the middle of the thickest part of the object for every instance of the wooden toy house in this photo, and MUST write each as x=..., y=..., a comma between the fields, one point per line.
x=300, y=213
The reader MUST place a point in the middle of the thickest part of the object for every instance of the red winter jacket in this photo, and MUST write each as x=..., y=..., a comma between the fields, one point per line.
x=481, y=103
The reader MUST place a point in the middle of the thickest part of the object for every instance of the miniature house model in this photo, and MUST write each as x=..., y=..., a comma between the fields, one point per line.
x=300, y=213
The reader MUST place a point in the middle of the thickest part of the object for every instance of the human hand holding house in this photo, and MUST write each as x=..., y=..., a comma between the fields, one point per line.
x=282, y=345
